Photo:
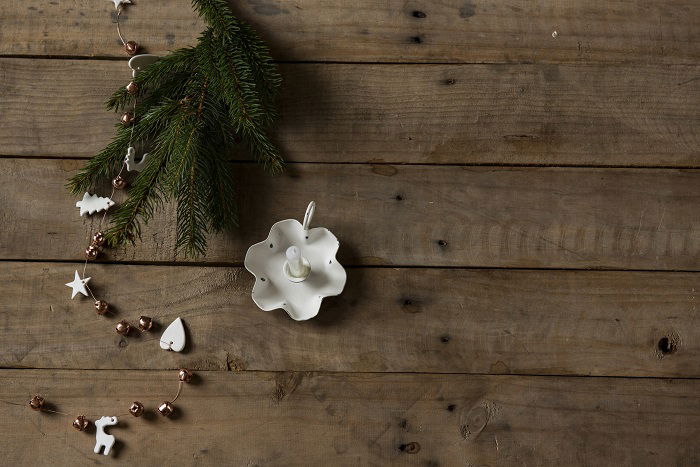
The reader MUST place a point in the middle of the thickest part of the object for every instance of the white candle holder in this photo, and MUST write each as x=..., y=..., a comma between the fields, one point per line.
x=295, y=267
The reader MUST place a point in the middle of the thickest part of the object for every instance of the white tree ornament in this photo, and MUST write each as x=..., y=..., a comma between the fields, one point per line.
x=130, y=160
x=78, y=285
x=173, y=337
x=93, y=203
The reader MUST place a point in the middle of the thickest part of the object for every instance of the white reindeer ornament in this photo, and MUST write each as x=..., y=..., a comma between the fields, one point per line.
x=102, y=439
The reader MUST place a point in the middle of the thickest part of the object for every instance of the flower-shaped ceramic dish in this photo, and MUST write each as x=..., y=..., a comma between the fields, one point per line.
x=267, y=261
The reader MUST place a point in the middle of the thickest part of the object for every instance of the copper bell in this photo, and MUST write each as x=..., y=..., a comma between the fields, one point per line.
x=36, y=402
x=145, y=323
x=127, y=118
x=91, y=252
x=136, y=409
x=185, y=375
x=123, y=327
x=80, y=423
x=166, y=408
x=132, y=88
x=131, y=47
x=119, y=182
x=98, y=239
x=101, y=307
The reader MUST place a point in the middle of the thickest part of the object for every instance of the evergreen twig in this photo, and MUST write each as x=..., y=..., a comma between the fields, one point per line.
x=193, y=106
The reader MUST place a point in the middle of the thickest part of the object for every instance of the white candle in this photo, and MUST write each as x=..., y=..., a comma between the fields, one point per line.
x=295, y=261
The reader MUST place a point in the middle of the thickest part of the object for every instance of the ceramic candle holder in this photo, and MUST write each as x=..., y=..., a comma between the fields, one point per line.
x=295, y=267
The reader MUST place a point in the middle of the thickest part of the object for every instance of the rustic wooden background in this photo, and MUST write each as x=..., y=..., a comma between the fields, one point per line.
x=519, y=211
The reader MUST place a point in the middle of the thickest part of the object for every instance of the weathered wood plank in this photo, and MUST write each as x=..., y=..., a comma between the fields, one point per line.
x=417, y=320
x=358, y=419
x=391, y=31
x=402, y=215
x=463, y=114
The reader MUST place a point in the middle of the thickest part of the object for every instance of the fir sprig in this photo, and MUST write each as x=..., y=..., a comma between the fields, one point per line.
x=193, y=106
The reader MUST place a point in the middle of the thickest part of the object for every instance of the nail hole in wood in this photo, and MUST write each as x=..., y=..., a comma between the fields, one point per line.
x=419, y=14
x=442, y=243
x=450, y=81
x=451, y=408
x=399, y=197
x=666, y=345
x=445, y=339
x=410, y=448
x=417, y=39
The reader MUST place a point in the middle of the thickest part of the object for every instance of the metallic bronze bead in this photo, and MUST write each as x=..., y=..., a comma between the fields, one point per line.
x=98, y=239
x=36, y=402
x=123, y=327
x=136, y=409
x=132, y=88
x=127, y=118
x=185, y=375
x=81, y=423
x=145, y=323
x=166, y=408
x=101, y=307
x=131, y=47
x=92, y=252
x=119, y=182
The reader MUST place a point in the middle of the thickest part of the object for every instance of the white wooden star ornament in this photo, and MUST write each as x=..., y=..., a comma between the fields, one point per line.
x=118, y=3
x=78, y=285
x=93, y=203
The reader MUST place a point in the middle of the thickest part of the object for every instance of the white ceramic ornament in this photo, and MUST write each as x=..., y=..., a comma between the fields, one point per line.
x=130, y=160
x=78, y=285
x=102, y=439
x=173, y=337
x=119, y=2
x=93, y=203
x=138, y=63
x=295, y=267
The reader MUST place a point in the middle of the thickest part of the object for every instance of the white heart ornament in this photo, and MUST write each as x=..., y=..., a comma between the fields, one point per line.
x=173, y=337
x=140, y=62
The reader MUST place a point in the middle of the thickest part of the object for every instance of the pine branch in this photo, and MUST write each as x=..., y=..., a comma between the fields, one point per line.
x=192, y=108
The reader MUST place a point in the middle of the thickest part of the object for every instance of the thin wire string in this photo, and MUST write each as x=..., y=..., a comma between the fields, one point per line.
x=58, y=412
x=119, y=31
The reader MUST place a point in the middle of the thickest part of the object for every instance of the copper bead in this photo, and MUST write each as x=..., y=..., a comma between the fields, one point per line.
x=80, y=423
x=166, y=408
x=101, y=307
x=123, y=327
x=127, y=118
x=131, y=47
x=92, y=252
x=136, y=409
x=98, y=239
x=37, y=402
x=132, y=88
x=145, y=323
x=185, y=375
x=119, y=182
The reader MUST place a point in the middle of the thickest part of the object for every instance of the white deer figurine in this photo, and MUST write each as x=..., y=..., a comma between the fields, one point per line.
x=102, y=439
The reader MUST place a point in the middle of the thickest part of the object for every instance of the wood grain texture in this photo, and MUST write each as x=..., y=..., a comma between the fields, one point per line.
x=402, y=215
x=415, y=320
x=456, y=114
x=361, y=419
x=390, y=31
